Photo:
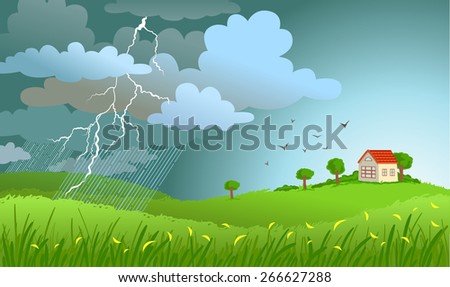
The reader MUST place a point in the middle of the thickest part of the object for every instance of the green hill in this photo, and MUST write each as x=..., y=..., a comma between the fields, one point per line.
x=290, y=208
x=402, y=224
x=293, y=207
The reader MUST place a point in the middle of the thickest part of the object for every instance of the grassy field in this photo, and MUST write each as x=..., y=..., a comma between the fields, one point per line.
x=293, y=207
x=349, y=225
x=46, y=183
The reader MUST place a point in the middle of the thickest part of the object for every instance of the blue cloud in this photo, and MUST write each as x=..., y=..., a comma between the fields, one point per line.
x=11, y=153
x=205, y=107
x=244, y=62
x=72, y=65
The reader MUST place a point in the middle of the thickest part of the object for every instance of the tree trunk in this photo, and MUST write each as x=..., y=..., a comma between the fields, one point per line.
x=304, y=182
x=337, y=177
x=231, y=193
x=401, y=172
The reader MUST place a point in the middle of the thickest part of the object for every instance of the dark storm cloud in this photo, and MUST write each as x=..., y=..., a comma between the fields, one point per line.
x=41, y=124
x=174, y=10
x=185, y=49
x=116, y=163
x=79, y=94
x=11, y=153
x=40, y=22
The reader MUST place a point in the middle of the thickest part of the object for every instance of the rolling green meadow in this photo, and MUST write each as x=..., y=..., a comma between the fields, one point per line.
x=351, y=224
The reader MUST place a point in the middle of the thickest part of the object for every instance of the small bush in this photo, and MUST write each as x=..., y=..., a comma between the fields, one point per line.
x=286, y=187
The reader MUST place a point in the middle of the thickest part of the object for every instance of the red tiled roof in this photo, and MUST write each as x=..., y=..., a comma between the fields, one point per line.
x=380, y=156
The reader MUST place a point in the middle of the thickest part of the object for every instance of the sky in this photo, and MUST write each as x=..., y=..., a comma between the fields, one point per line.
x=381, y=65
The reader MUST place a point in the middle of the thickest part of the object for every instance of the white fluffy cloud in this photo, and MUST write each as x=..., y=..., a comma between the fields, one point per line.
x=174, y=10
x=11, y=153
x=244, y=62
x=205, y=107
x=73, y=65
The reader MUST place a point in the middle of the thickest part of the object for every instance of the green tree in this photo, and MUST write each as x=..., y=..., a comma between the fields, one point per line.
x=304, y=174
x=404, y=161
x=232, y=185
x=336, y=166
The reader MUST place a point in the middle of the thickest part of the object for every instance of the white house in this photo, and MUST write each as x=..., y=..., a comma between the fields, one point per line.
x=378, y=166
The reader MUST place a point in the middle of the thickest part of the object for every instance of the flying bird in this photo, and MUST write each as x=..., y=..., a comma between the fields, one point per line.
x=304, y=150
x=284, y=147
x=267, y=163
x=326, y=147
x=317, y=136
x=292, y=121
x=344, y=125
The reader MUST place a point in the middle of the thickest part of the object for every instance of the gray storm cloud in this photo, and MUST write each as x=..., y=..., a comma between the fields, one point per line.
x=79, y=96
x=185, y=49
x=58, y=25
x=115, y=163
x=174, y=10
x=10, y=153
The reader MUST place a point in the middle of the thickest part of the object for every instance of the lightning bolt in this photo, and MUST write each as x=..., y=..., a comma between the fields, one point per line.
x=141, y=26
x=95, y=146
x=94, y=128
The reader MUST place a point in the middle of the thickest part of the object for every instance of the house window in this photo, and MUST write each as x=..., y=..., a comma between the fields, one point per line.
x=368, y=172
x=392, y=172
x=368, y=159
x=384, y=172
